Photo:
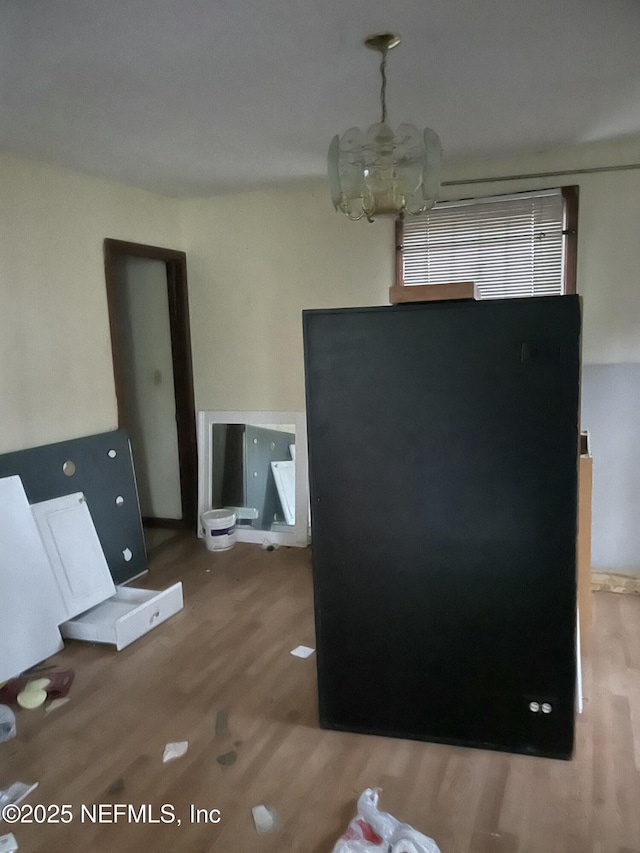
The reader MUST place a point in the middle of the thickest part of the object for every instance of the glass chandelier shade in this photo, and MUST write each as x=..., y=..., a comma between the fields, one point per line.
x=382, y=172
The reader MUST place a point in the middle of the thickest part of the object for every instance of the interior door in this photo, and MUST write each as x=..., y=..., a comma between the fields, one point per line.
x=152, y=366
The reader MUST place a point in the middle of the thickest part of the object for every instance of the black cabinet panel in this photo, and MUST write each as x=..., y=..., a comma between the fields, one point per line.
x=443, y=465
x=103, y=470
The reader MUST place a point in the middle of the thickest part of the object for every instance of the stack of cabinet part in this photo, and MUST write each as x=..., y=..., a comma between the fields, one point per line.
x=55, y=578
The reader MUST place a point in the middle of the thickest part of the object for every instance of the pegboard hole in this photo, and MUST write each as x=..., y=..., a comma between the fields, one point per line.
x=69, y=468
x=119, y=501
x=112, y=454
x=127, y=554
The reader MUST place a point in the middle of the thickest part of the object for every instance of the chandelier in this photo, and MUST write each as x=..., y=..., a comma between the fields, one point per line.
x=381, y=172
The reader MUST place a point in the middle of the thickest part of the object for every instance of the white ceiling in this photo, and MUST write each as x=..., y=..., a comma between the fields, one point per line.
x=192, y=97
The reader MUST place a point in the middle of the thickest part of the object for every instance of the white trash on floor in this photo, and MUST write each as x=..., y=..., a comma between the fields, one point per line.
x=265, y=819
x=8, y=843
x=175, y=750
x=302, y=651
x=7, y=723
x=372, y=830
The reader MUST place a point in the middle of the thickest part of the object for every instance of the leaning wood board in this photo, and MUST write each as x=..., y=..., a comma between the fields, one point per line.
x=585, y=489
x=432, y=292
x=443, y=448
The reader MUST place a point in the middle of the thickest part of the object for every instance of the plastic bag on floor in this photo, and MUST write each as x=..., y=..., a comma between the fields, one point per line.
x=372, y=830
x=7, y=724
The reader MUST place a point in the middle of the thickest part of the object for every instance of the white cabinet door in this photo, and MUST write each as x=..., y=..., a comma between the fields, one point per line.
x=75, y=553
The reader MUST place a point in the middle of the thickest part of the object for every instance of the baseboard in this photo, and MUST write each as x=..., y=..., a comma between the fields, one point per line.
x=615, y=582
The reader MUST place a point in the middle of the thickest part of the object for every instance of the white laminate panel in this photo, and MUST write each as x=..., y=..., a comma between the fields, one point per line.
x=31, y=606
x=75, y=553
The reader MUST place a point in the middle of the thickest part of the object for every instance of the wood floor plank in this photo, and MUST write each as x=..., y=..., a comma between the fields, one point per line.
x=229, y=650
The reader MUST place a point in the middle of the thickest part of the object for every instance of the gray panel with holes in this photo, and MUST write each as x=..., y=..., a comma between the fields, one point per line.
x=261, y=448
x=101, y=467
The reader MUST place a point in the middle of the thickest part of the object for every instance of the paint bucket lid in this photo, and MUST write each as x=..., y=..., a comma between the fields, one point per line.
x=218, y=519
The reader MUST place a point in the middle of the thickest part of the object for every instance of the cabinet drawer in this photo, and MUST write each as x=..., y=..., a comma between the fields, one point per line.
x=125, y=617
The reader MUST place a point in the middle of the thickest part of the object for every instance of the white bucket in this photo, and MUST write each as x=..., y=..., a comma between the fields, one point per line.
x=219, y=526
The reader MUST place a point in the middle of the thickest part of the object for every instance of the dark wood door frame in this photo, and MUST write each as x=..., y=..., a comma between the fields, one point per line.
x=176, y=266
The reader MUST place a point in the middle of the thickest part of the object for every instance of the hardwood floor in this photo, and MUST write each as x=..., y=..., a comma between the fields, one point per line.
x=228, y=651
x=156, y=537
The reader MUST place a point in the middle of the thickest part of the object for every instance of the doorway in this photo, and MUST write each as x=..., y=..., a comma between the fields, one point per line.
x=151, y=348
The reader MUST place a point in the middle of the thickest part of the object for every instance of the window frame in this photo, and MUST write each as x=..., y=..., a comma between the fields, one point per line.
x=570, y=197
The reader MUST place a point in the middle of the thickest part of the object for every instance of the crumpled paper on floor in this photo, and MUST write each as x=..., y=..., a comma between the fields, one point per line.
x=175, y=750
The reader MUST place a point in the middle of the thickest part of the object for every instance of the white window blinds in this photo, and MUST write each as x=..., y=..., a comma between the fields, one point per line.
x=508, y=245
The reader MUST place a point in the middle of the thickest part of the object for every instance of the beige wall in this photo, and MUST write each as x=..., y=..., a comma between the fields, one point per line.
x=608, y=236
x=609, y=282
x=609, y=267
x=257, y=259
x=56, y=379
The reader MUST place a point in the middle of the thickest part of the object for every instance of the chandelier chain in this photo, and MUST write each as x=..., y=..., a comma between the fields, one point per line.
x=383, y=88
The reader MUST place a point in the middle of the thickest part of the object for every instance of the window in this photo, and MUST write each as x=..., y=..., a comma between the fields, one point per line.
x=509, y=246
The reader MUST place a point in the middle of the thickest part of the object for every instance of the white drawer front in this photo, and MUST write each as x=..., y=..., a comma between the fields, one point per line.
x=147, y=615
x=125, y=617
